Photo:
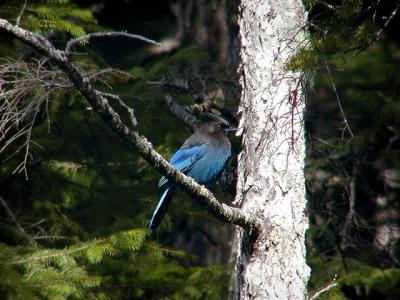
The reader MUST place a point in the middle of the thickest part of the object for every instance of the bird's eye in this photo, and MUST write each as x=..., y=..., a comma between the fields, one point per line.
x=223, y=126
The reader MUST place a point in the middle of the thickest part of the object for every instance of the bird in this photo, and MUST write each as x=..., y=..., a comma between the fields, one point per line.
x=202, y=156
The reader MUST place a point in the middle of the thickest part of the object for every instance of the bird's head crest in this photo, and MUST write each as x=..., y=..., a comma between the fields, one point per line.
x=220, y=124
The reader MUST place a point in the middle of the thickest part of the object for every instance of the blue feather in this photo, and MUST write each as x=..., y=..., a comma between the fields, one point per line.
x=184, y=153
x=203, y=157
x=184, y=159
x=161, y=208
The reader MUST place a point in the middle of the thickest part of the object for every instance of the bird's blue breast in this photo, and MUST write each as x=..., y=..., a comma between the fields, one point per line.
x=204, y=163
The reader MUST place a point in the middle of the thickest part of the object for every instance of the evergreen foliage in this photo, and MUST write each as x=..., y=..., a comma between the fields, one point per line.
x=346, y=170
x=86, y=184
x=338, y=28
x=49, y=16
x=87, y=190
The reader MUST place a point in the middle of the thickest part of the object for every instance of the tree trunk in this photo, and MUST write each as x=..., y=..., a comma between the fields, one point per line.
x=270, y=168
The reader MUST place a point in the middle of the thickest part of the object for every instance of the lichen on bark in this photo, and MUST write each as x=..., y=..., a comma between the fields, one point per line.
x=270, y=172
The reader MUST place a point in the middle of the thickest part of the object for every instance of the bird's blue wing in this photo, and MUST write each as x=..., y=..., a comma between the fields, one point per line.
x=184, y=159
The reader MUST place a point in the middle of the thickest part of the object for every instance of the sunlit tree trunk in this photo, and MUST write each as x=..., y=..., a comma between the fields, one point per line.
x=270, y=171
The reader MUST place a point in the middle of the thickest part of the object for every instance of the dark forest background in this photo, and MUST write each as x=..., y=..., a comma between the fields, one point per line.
x=74, y=210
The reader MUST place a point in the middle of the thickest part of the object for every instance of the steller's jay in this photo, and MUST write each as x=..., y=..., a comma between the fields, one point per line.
x=202, y=157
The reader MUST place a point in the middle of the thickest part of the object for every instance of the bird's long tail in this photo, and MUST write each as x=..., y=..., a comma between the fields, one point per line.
x=161, y=208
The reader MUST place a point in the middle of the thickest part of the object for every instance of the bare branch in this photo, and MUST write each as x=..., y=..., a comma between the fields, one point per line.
x=180, y=112
x=14, y=219
x=379, y=32
x=176, y=83
x=129, y=109
x=101, y=106
x=328, y=6
x=112, y=34
x=18, y=21
x=205, y=100
x=324, y=289
x=52, y=237
x=351, y=214
x=10, y=214
x=25, y=89
x=376, y=9
x=99, y=74
x=339, y=103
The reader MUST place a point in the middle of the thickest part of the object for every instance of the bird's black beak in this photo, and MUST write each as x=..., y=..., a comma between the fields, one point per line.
x=231, y=129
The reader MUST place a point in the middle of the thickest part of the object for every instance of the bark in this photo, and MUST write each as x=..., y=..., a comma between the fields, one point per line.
x=270, y=167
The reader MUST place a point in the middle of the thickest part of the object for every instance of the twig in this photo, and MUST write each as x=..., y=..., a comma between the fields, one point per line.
x=129, y=109
x=324, y=289
x=376, y=10
x=180, y=112
x=111, y=34
x=98, y=74
x=339, y=103
x=379, y=32
x=329, y=6
x=14, y=219
x=20, y=103
x=51, y=237
x=176, y=83
x=351, y=214
x=28, y=141
x=18, y=21
x=11, y=215
x=36, y=224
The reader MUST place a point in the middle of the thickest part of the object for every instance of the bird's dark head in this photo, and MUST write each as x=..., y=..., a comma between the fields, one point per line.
x=219, y=125
x=223, y=127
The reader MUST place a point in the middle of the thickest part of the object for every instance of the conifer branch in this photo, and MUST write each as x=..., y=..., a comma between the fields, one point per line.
x=102, y=107
x=112, y=242
x=57, y=253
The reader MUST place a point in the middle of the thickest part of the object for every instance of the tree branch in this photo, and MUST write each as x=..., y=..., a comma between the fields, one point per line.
x=111, y=34
x=324, y=289
x=14, y=219
x=129, y=109
x=180, y=112
x=101, y=106
x=379, y=32
x=11, y=215
x=18, y=21
x=346, y=123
